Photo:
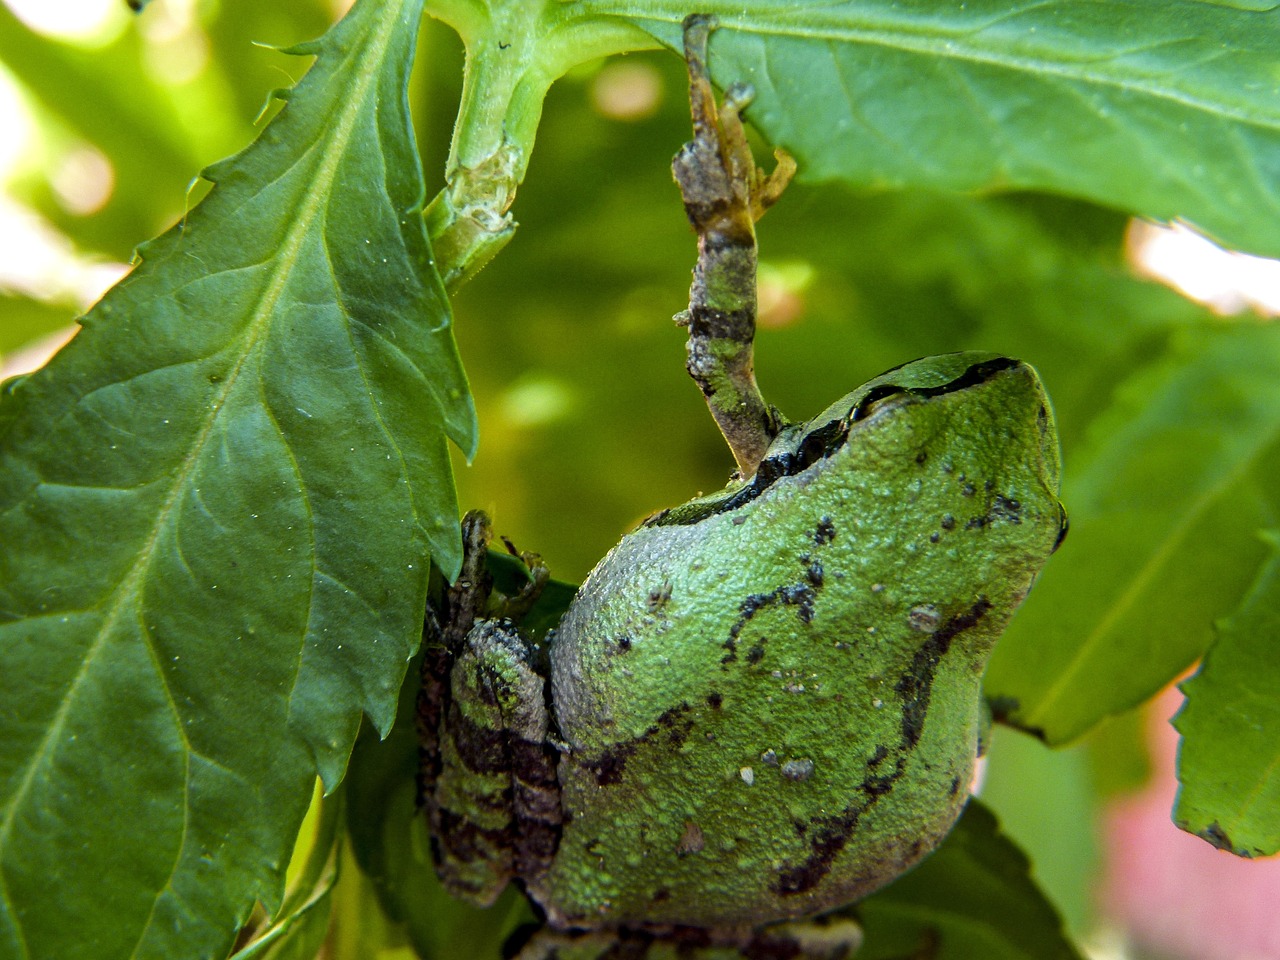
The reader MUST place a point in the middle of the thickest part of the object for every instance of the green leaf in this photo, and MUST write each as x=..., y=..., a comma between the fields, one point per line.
x=1229, y=761
x=972, y=899
x=299, y=927
x=108, y=96
x=1026, y=786
x=1163, y=108
x=26, y=320
x=218, y=505
x=1165, y=497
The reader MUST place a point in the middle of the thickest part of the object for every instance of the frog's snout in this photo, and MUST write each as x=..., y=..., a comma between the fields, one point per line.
x=1064, y=524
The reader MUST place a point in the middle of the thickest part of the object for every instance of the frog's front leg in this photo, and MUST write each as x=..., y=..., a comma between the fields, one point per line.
x=448, y=621
x=495, y=805
x=833, y=937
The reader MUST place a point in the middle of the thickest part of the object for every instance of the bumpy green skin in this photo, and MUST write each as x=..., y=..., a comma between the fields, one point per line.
x=772, y=703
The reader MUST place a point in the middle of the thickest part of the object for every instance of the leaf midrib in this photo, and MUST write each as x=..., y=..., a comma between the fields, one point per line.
x=1155, y=561
x=315, y=197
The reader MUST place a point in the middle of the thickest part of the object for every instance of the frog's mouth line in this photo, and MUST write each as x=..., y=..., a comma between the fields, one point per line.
x=823, y=441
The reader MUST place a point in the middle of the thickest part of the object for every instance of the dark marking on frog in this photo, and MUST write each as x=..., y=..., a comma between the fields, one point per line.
x=715, y=700
x=955, y=786
x=915, y=686
x=948, y=522
x=537, y=814
x=775, y=946
x=756, y=653
x=1002, y=508
x=631, y=945
x=482, y=749
x=675, y=723
x=922, y=456
x=623, y=643
x=823, y=441
x=782, y=943
x=825, y=532
x=828, y=840
x=658, y=597
x=799, y=595
x=831, y=834
x=1063, y=525
x=877, y=758
x=814, y=574
x=462, y=838
x=876, y=785
x=690, y=939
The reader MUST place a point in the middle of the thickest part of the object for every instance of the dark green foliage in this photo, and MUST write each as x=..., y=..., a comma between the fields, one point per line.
x=217, y=507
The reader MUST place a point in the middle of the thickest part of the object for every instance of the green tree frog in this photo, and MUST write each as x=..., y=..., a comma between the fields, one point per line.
x=763, y=704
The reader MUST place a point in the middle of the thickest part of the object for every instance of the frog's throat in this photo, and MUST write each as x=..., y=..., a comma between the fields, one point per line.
x=817, y=441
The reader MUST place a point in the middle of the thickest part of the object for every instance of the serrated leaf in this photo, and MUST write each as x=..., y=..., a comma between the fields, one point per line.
x=971, y=899
x=1164, y=108
x=1229, y=761
x=108, y=96
x=26, y=320
x=299, y=927
x=1165, y=497
x=217, y=507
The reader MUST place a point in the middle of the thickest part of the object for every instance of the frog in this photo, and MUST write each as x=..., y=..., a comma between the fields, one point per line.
x=764, y=704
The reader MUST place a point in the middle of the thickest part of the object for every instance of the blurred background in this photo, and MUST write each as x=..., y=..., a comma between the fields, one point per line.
x=588, y=421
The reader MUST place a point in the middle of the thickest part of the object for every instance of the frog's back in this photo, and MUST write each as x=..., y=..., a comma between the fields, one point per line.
x=773, y=706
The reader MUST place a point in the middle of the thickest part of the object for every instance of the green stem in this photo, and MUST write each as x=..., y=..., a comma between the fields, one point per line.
x=515, y=50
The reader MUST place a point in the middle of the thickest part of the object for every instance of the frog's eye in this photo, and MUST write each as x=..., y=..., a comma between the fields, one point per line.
x=885, y=395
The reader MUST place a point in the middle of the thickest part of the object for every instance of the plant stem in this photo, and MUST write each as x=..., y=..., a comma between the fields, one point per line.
x=515, y=50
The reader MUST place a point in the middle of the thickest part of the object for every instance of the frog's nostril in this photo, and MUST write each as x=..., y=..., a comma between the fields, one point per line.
x=1063, y=526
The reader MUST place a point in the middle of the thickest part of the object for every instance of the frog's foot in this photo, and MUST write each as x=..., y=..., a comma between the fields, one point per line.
x=826, y=938
x=724, y=191
x=448, y=621
x=467, y=598
x=494, y=808
x=517, y=605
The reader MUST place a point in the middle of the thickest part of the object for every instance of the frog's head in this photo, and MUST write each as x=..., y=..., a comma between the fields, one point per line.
x=957, y=406
x=991, y=404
